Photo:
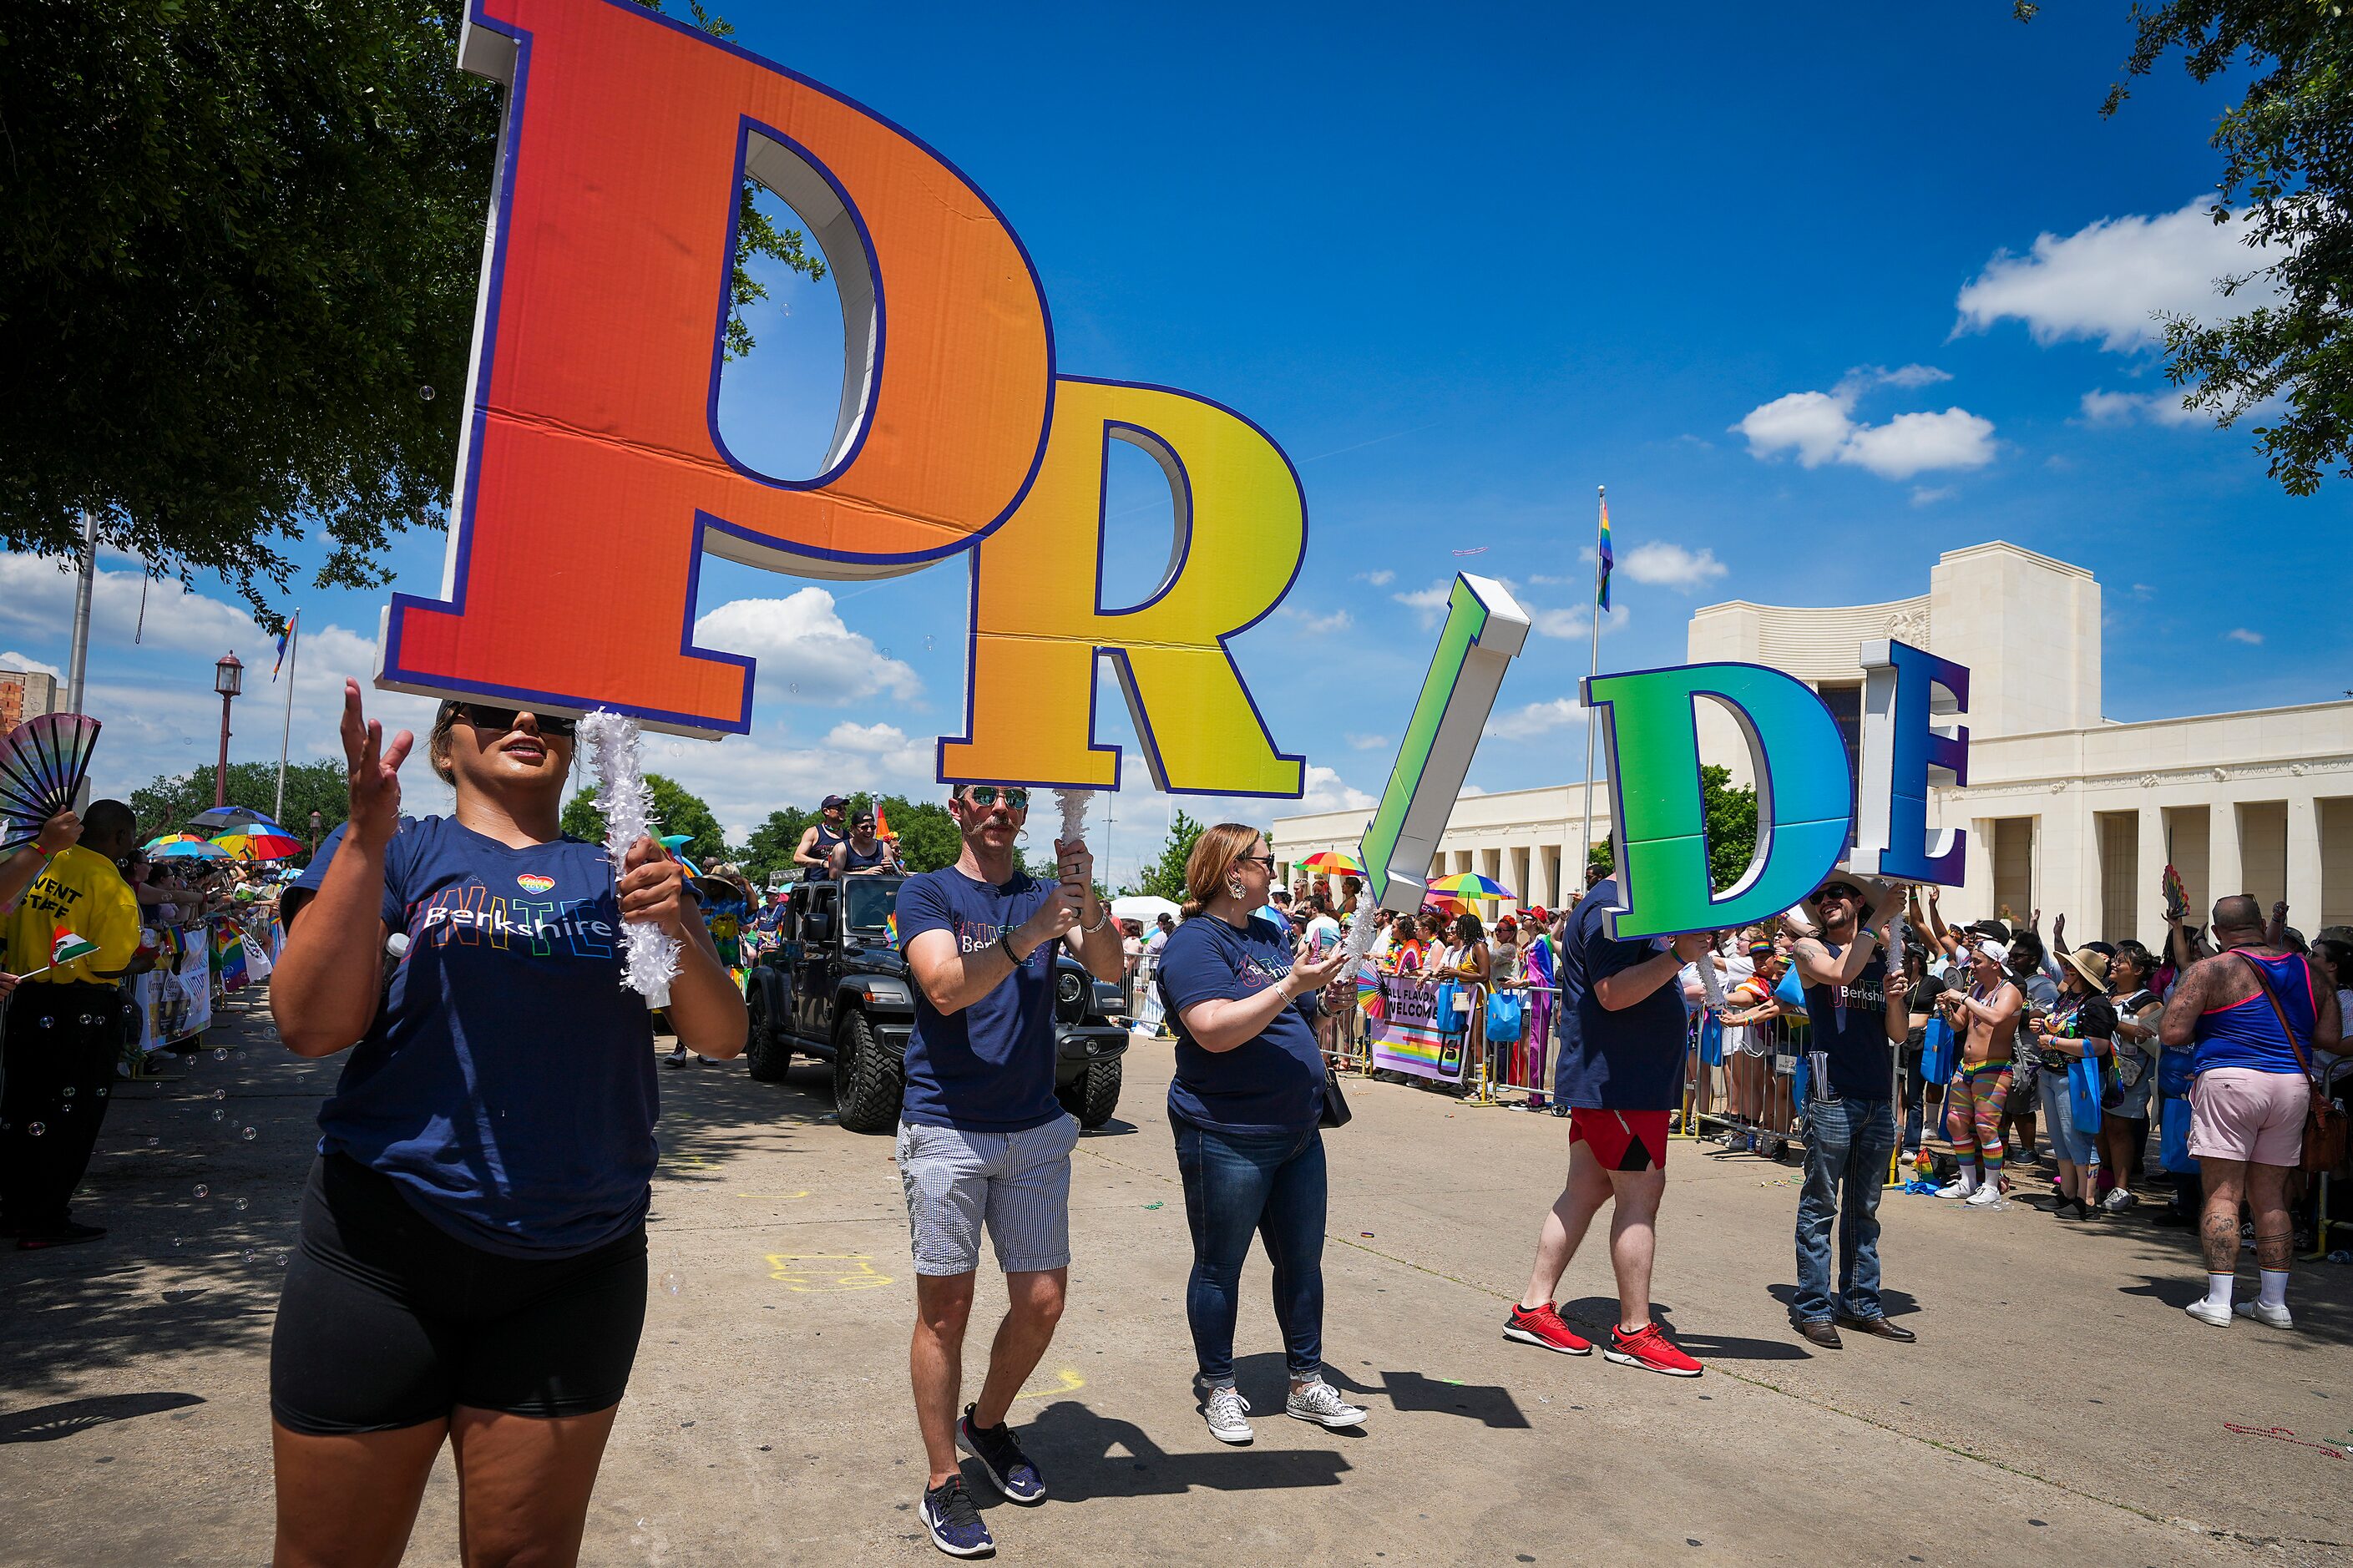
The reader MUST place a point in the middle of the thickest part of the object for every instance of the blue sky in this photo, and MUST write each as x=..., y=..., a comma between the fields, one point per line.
x=1463, y=271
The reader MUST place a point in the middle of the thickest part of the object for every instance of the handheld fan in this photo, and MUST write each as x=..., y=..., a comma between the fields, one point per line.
x=42, y=764
x=2176, y=897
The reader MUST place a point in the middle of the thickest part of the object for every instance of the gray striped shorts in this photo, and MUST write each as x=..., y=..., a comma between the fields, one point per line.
x=1016, y=1183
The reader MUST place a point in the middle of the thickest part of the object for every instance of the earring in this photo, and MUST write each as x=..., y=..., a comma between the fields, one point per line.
x=1235, y=889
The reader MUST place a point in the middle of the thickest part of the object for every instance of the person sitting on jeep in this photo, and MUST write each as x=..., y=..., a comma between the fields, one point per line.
x=862, y=854
x=817, y=839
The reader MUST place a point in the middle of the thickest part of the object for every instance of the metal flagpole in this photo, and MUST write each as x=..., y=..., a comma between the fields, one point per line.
x=293, y=654
x=78, y=663
x=1601, y=496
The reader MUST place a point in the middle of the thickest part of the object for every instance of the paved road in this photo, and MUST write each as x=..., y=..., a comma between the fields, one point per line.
x=2059, y=1406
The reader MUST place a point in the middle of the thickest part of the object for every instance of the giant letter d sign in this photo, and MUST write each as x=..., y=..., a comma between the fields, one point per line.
x=592, y=474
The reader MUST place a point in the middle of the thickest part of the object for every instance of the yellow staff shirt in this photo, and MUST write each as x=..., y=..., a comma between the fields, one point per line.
x=82, y=891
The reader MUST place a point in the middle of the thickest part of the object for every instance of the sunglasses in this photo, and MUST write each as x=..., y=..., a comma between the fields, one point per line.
x=990, y=796
x=1267, y=861
x=501, y=720
x=1835, y=890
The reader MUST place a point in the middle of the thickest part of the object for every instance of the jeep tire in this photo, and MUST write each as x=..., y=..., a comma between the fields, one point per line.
x=1093, y=1095
x=868, y=1079
x=767, y=1050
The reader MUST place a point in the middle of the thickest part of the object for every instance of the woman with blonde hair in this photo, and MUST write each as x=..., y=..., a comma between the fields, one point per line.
x=1245, y=1105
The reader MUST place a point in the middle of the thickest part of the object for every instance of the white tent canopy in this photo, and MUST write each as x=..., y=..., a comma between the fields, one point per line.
x=1142, y=907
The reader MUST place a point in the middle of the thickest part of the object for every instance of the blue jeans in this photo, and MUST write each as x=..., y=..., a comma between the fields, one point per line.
x=1236, y=1185
x=1847, y=1142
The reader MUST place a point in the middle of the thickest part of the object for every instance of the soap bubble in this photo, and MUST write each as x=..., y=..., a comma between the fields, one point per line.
x=69, y=1092
x=241, y=1203
x=248, y=1254
x=425, y=395
x=179, y=1241
x=249, y=1133
x=927, y=645
x=220, y=1094
x=672, y=1281
x=203, y=1191
x=221, y=1055
x=153, y=1143
x=219, y=1115
x=36, y=1128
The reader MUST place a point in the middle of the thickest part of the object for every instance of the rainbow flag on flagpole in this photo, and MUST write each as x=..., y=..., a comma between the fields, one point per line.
x=1605, y=560
x=285, y=635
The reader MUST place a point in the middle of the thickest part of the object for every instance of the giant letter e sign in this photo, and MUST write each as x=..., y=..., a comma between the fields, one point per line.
x=592, y=478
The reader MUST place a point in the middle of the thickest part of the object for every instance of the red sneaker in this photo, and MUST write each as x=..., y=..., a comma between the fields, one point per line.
x=1542, y=1327
x=1648, y=1347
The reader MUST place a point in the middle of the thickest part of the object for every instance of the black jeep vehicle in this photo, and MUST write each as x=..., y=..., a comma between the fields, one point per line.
x=834, y=987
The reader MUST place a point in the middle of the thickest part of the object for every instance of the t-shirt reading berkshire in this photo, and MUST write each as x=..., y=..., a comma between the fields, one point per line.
x=1631, y=1059
x=506, y=1084
x=1850, y=1024
x=990, y=1067
x=1273, y=1084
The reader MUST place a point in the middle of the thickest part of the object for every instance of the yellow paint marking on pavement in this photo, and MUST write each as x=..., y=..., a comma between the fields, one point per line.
x=820, y=1273
x=779, y=1195
x=1068, y=1381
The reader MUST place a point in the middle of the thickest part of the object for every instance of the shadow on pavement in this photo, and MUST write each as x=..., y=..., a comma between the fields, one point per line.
x=1410, y=1391
x=1088, y=1456
x=1595, y=1316
x=47, y=1423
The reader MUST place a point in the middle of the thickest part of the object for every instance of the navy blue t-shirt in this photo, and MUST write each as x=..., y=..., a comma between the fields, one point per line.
x=1849, y=1023
x=1631, y=1059
x=1273, y=1084
x=990, y=1068
x=506, y=1084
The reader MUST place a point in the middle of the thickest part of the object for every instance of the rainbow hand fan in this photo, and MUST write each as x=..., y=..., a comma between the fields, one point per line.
x=2176, y=897
x=42, y=764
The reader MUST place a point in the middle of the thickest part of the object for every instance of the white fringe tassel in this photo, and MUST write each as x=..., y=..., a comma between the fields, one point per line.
x=649, y=953
x=1074, y=804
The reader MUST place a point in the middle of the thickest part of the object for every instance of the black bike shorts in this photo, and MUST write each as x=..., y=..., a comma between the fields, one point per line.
x=387, y=1320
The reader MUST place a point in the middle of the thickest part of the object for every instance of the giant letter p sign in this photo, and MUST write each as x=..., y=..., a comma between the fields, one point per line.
x=592, y=476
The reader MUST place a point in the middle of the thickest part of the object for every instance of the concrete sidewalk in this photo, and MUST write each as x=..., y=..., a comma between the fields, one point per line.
x=2059, y=1406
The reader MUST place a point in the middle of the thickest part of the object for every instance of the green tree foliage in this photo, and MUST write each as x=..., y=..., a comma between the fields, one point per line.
x=771, y=848
x=1731, y=831
x=678, y=809
x=2287, y=174
x=1164, y=876
x=927, y=835
x=237, y=291
x=167, y=804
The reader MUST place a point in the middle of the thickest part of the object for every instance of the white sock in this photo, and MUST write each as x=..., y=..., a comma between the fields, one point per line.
x=1968, y=1180
x=2218, y=1289
x=2274, y=1290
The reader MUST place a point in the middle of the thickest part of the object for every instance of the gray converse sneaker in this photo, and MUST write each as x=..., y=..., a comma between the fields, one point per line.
x=1319, y=1402
x=1228, y=1414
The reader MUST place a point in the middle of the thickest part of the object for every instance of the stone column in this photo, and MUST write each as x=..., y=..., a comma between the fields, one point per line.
x=2303, y=864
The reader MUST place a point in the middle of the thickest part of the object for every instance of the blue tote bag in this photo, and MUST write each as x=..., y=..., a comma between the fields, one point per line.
x=1937, y=1052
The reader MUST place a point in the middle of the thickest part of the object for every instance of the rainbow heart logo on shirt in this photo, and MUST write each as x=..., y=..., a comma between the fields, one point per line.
x=532, y=883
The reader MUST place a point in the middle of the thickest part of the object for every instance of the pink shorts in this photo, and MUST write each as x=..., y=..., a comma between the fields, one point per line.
x=2241, y=1113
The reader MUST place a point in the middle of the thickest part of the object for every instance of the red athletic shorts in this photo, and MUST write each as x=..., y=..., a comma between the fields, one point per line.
x=1623, y=1139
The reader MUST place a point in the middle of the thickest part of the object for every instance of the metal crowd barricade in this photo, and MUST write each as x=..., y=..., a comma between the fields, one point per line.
x=1523, y=1066
x=1769, y=1121
x=1142, y=996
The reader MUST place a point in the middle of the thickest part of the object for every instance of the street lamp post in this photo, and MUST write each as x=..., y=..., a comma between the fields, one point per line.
x=228, y=679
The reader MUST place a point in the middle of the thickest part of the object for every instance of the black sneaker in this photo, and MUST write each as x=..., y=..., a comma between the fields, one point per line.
x=954, y=1524
x=65, y=1235
x=1002, y=1458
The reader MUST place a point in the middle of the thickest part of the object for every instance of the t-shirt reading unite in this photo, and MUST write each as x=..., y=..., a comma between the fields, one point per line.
x=990, y=1067
x=1631, y=1059
x=1268, y=1085
x=506, y=1084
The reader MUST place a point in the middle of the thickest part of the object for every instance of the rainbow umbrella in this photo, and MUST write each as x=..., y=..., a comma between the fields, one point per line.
x=259, y=843
x=1471, y=885
x=1333, y=863
x=158, y=843
x=191, y=849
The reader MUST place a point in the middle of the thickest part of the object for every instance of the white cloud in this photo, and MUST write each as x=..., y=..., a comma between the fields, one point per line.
x=802, y=642
x=1576, y=622
x=2112, y=278
x=37, y=600
x=12, y=659
x=2102, y=407
x=1314, y=625
x=1665, y=565
x=1326, y=791
x=2143, y=591
x=1380, y=579
x=1820, y=428
x=1526, y=723
x=2240, y=633
x=1429, y=603
x=1923, y=495
x=1368, y=743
